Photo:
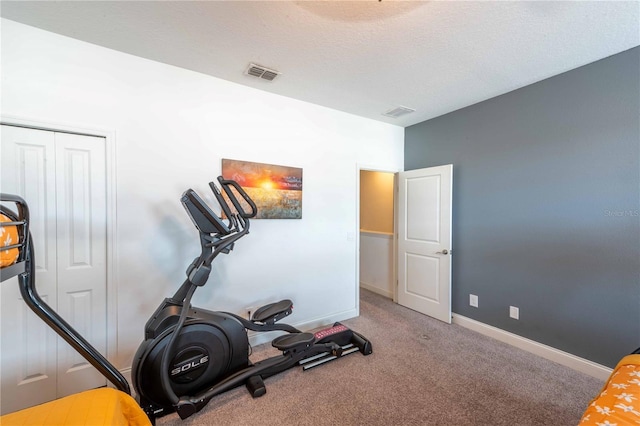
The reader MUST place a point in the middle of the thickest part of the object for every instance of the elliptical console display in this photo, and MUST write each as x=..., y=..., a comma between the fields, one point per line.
x=189, y=354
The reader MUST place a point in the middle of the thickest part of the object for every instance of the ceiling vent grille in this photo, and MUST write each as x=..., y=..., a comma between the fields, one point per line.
x=261, y=72
x=399, y=111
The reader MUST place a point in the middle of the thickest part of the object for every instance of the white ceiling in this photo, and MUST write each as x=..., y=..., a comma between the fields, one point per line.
x=362, y=57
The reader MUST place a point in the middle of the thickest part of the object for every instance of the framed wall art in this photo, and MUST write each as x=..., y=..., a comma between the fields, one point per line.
x=276, y=190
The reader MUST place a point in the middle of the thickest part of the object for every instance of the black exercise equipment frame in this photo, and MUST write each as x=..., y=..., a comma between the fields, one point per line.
x=24, y=269
x=218, y=237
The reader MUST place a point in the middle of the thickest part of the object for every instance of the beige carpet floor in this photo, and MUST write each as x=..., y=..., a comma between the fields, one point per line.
x=421, y=372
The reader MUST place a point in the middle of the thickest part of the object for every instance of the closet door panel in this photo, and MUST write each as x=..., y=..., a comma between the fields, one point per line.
x=27, y=345
x=81, y=252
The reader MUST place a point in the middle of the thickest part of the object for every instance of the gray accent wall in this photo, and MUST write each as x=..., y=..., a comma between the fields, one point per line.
x=546, y=207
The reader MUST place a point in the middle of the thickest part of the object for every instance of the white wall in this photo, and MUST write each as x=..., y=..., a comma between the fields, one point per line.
x=376, y=262
x=172, y=127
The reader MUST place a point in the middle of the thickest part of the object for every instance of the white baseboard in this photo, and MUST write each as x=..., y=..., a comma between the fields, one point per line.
x=564, y=358
x=382, y=292
x=126, y=372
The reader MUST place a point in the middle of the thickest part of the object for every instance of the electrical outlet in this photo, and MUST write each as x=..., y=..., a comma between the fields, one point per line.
x=514, y=312
x=473, y=300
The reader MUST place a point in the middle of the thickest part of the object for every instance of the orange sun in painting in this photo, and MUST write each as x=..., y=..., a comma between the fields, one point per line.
x=267, y=184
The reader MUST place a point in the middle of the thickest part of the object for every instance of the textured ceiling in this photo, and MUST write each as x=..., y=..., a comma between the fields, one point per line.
x=361, y=57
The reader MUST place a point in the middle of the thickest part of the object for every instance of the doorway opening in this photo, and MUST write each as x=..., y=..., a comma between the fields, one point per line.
x=376, y=232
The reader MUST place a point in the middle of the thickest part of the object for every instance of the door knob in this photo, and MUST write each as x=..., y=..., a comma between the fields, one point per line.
x=445, y=251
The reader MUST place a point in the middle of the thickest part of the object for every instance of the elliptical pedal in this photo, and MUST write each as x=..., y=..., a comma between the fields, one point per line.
x=269, y=314
x=316, y=360
x=345, y=339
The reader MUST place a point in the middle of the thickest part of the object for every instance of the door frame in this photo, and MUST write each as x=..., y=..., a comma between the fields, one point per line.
x=381, y=169
x=110, y=192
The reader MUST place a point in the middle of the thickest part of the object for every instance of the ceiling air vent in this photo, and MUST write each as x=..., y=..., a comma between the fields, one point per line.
x=399, y=111
x=261, y=72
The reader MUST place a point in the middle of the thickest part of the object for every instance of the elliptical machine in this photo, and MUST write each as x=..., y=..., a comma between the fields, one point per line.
x=190, y=355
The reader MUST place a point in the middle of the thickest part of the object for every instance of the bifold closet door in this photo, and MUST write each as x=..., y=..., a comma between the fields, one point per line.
x=81, y=254
x=28, y=347
x=62, y=178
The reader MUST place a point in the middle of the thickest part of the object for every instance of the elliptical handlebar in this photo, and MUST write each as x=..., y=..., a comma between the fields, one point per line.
x=223, y=204
x=209, y=223
x=216, y=236
x=226, y=184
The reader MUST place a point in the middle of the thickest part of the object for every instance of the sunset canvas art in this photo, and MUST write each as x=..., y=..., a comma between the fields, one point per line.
x=276, y=190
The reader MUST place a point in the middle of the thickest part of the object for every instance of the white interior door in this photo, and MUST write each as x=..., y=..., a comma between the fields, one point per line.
x=62, y=178
x=28, y=361
x=82, y=254
x=424, y=240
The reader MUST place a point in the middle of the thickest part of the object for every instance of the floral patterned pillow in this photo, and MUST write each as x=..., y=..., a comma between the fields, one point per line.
x=619, y=401
x=8, y=236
